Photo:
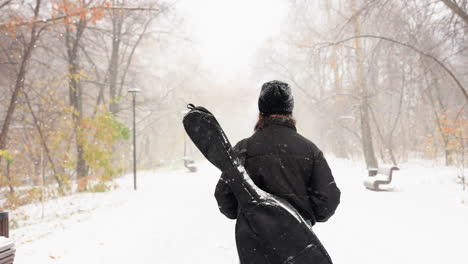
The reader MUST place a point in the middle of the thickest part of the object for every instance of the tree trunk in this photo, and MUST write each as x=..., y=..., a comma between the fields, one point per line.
x=76, y=99
x=438, y=120
x=19, y=84
x=448, y=156
x=366, y=134
x=338, y=144
x=367, y=144
x=8, y=176
x=44, y=144
x=117, y=20
x=386, y=143
x=130, y=56
x=456, y=9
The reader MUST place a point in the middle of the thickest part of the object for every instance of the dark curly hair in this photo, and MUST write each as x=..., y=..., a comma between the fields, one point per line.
x=265, y=120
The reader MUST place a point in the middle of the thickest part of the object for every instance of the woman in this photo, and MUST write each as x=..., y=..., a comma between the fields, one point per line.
x=282, y=162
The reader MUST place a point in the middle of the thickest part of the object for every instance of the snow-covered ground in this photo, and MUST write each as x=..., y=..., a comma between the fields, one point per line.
x=173, y=218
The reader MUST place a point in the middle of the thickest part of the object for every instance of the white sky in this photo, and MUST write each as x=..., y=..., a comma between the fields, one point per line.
x=227, y=33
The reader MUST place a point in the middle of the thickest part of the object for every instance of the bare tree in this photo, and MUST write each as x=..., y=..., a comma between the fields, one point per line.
x=28, y=48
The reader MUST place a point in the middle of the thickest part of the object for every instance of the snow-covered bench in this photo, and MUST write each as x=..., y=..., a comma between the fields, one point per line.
x=378, y=177
x=189, y=164
x=4, y=226
x=7, y=246
x=7, y=250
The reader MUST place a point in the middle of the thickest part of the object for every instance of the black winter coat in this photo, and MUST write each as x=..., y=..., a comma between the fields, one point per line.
x=282, y=162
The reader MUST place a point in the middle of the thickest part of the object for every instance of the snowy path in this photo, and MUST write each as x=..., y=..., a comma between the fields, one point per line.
x=173, y=218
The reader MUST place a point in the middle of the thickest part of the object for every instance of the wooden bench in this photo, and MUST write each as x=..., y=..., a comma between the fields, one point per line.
x=190, y=164
x=7, y=246
x=378, y=177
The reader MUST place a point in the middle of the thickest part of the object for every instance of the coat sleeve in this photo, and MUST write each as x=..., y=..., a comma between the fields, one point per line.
x=325, y=195
x=227, y=202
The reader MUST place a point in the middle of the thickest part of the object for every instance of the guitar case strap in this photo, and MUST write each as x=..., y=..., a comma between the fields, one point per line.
x=242, y=154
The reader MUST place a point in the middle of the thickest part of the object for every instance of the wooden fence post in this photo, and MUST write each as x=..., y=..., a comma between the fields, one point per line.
x=4, y=226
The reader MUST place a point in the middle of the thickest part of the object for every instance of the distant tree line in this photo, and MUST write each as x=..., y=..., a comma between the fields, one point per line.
x=65, y=67
x=384, y=80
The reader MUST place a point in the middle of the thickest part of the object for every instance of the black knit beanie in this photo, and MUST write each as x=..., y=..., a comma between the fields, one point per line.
x=275, y=98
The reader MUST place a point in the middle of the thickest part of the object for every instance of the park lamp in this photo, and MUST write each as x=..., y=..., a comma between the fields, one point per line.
x=134, y=91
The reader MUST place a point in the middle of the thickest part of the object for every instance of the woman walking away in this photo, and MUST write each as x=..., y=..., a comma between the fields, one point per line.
x=282, y=162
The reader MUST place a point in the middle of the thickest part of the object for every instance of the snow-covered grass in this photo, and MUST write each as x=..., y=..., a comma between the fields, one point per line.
x=423, y=220
x=173, y=218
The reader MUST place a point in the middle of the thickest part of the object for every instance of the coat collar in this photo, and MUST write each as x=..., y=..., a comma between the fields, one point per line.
x=279, y=121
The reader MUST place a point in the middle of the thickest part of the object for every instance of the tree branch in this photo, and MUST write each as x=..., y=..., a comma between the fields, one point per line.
x=452, y=5
x=5, y=4
x=422, y=53
x=74, y=14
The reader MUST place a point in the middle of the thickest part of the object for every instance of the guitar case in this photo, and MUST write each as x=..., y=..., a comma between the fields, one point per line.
x=268, y=229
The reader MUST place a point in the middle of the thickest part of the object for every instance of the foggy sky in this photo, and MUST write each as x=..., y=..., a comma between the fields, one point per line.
x=228, y=33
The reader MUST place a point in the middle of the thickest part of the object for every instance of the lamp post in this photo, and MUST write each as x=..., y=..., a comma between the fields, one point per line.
x=185, y=141
x=188, y=163
x=134, y=91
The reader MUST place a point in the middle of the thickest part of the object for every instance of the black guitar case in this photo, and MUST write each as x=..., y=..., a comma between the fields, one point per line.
x=268, y=229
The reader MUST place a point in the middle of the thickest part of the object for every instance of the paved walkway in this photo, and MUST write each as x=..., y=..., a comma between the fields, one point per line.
x=173, y=218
